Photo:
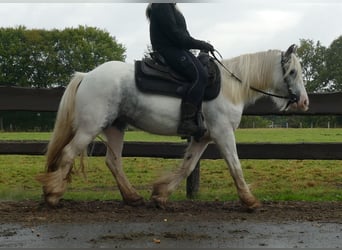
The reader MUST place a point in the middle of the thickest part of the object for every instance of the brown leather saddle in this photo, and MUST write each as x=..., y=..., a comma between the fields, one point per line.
x=152, y=75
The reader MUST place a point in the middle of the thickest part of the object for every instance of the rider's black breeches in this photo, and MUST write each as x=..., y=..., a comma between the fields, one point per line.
x=185, y=63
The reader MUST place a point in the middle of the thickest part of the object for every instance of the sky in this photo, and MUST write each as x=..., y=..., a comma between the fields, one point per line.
x=232, y=27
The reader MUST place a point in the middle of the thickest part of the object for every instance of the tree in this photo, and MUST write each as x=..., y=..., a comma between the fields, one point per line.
x=334, y=64
x=313, y=60
x=41, y=58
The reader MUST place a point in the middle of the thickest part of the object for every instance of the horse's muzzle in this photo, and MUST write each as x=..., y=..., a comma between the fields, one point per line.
x=302, y=104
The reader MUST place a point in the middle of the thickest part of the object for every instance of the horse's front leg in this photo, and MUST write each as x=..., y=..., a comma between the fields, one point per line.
x=165, y=185
x=225, y=141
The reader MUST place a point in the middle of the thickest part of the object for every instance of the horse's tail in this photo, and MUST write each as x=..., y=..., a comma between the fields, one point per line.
x=63, y=131
x=55, y=179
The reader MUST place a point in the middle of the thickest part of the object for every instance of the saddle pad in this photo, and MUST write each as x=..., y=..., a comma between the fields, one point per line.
x=155, y=84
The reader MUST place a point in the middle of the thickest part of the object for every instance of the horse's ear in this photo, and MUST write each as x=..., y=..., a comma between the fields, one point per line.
x=290, y=50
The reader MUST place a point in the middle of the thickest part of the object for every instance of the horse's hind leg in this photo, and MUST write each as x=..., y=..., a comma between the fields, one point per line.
x=55, y=183
x=114, y=162
x=163, y=187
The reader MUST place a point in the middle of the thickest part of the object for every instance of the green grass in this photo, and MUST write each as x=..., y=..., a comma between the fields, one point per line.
x=309, y=180
x=269, y=179
x=129, y=136
x=21, y=136
x=290, y=135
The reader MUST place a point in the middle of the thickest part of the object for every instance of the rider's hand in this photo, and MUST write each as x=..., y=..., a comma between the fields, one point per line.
x=207, y=46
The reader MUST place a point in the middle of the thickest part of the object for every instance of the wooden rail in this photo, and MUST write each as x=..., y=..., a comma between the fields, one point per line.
x=40, y=100
x=299, y=151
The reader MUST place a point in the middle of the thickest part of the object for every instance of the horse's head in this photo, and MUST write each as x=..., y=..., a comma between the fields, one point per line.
x=291, y=82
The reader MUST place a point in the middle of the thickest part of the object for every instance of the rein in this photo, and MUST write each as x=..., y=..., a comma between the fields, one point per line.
x=292, y=98
x=219, y=62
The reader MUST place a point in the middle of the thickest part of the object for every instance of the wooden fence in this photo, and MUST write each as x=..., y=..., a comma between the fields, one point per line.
x=43, y=100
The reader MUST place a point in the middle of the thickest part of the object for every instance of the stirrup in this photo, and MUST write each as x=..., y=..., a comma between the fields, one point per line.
x=198, y=129
x=187, y=128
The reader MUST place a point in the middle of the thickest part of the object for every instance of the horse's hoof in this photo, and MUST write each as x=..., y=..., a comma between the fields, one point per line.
x=159, y=202
x=251, y=206
x=136, y=202
x=51, y=201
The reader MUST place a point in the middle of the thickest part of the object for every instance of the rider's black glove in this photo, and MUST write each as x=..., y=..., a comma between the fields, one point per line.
x=207, y=46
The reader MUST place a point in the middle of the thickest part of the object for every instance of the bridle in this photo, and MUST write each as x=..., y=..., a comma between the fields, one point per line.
x=291, y=97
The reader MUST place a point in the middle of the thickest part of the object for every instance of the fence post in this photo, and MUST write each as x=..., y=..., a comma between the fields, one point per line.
x=193, y=180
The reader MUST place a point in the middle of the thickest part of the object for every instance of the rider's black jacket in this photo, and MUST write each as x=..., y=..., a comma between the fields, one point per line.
x=168, y=29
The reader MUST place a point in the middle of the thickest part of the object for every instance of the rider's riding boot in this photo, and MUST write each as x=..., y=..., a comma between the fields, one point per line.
x=191, y=122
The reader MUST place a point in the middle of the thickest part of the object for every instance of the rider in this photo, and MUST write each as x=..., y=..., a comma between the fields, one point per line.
x=171, y=39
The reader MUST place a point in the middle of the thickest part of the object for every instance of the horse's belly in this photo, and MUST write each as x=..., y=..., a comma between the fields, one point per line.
x=156, y=115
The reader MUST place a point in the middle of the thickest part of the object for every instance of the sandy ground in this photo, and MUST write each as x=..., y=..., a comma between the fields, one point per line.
x=181, y=224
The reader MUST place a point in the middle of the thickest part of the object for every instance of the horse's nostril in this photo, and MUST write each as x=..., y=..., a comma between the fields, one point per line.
x=306, y=102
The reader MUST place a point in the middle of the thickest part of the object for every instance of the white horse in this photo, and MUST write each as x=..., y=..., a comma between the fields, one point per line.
x=106, y=100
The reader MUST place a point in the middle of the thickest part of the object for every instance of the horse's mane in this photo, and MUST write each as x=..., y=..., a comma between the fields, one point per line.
x=255, y=70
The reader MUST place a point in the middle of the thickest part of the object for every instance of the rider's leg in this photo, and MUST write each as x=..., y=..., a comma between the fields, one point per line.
x=188, y=65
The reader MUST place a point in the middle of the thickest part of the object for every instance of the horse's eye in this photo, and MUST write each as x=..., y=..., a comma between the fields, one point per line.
x=293, y=72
